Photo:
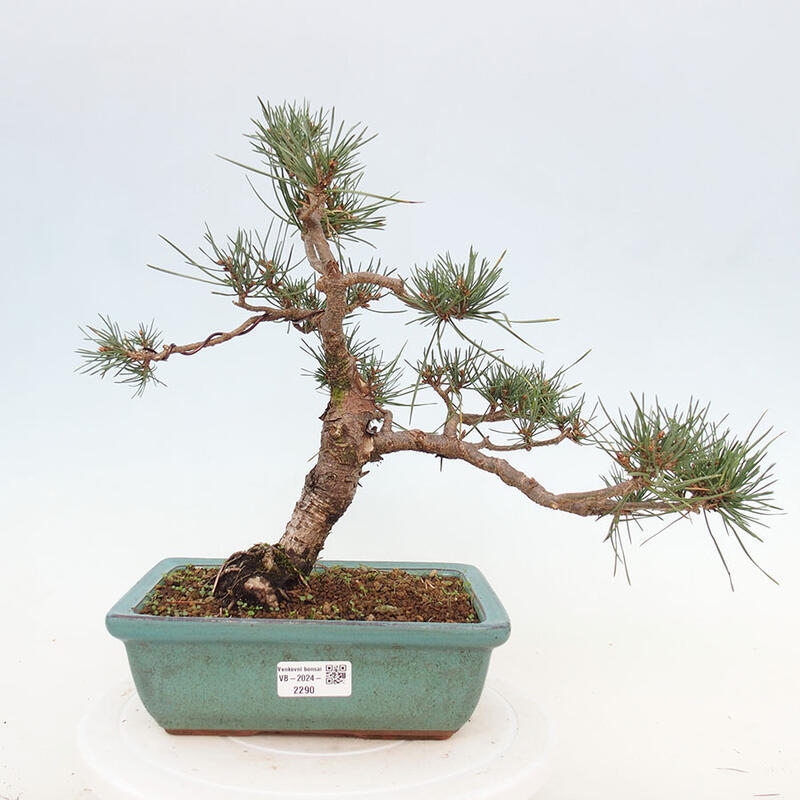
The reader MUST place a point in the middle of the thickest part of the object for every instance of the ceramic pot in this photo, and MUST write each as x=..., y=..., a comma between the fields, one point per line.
x=371, y=679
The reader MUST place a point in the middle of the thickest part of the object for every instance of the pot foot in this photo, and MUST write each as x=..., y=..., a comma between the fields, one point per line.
x=424, y=735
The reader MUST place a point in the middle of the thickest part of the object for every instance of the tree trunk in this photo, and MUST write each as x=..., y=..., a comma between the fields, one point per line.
x=259, y=574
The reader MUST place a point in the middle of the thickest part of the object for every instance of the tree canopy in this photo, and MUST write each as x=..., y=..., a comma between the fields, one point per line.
x=663, y=462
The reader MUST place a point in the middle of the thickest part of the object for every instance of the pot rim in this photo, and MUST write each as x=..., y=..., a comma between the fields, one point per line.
x=492, y=628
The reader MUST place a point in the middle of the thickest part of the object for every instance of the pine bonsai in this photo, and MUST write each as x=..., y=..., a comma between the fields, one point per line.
x=663, y=462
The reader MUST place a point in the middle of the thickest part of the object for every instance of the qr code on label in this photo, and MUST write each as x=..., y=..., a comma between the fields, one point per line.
x=335, y=674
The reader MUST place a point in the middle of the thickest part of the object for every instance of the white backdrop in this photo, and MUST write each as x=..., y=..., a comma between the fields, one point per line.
x=638, y=162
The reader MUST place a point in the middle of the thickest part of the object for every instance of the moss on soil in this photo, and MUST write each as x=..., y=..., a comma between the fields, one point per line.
x=329, y=593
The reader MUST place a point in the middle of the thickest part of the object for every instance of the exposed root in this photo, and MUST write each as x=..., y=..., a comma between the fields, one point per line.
x=262, y=590
x=258, y=576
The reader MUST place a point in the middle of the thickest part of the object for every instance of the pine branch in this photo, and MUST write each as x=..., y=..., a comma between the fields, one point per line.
x=676, y=464
x=308, y=157
x=369, y=278
x=446, y=290
x=532, y=402
x=598, y=502
x=130, y=356
x=689, y=461
x=487, y=444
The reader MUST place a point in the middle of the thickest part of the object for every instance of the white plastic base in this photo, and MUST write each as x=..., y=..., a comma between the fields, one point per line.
x=500, y=753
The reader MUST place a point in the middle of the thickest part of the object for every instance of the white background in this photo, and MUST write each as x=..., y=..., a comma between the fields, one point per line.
x=638, y=161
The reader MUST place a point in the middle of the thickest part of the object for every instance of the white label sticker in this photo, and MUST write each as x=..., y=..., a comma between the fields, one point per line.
x=315, y=679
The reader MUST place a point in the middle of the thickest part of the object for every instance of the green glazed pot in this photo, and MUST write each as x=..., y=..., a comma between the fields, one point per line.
x=371, y=679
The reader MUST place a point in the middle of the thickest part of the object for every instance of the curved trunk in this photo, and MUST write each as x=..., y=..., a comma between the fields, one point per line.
x=345, y=447
x=261, y=572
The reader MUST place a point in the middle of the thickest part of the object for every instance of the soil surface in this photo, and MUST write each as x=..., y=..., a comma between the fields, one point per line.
x=330, y=593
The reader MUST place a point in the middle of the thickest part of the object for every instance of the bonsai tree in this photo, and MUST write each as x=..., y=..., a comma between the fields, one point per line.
x=663, y=463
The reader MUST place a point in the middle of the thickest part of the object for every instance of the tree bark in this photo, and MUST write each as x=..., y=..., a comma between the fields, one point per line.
x=596, y=502
x=345, y=447
x=262, y=572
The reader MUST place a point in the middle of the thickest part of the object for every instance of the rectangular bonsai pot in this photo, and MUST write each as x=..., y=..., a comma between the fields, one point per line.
x=372, y=679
